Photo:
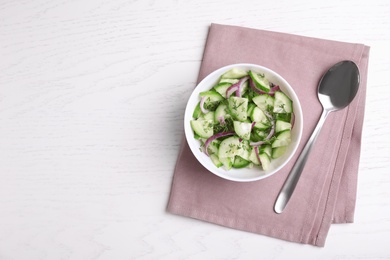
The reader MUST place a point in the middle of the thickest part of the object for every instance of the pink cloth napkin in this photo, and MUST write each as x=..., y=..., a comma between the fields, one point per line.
x=326, y=192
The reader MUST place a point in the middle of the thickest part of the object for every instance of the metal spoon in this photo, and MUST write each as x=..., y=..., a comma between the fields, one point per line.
x=336, y=90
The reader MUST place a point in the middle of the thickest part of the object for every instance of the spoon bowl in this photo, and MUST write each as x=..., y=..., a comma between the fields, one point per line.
x=339, y=85
x=336, y=90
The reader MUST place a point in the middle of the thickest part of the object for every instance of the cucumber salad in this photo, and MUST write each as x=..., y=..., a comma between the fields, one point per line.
x=243, y=121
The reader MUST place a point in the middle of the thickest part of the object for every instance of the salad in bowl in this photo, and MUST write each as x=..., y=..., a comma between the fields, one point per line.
x=243, y=122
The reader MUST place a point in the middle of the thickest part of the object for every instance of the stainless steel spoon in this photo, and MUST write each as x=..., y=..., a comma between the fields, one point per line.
x=336, y=90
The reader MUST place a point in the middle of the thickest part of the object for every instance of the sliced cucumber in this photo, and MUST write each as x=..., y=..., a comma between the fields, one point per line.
x=213, y=99
x=240, y=162
x=215, y=160
x=283, y=103
x=222, y=87
x=203, y=128
x=265, y=161
x=244, y=88
x=261, y=82
x=197, y=111
x=227, y=162
x=221, y=111
x=281, y=126
x=197, y=137
x=282, y=139
x=234, y=73
x=251, y=106
x=253, y=158
x=264, y=102
x=238, y=107
x=258, y=135
x=266, y=149
x=242, y=112
x=231, y=81
x=250, y=94
x=278, y=151
x=229, y=147
x=208, y=116
x=286, y=117
x=242, y=129
x=213, y=147
x=245, y=150
x=260, y=118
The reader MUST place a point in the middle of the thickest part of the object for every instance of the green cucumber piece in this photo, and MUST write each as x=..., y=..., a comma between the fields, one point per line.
x=215, y=160
x=264, y=102
x=222, y=87
x=286, y=117
x=197, y=137
x=231, y=81
x=282, y=139
x=283, y=103
x=213, y=99
x=227, y=162
x=266, y=149
x=261, y=82
x=238, y=107
x=222, y=110
x=244, y=88
x=213, y=147
x=229, y=147
x=240, y=162
x=242, y=129
x=251, y=106
x=197, y=111
x=260, y=118
x=278, y=151
x=234, y=73
x=265, y=161
x=245, y=150
x=253, y=158
x=203, y=128
x=281, y=126
x=208, y=116
x=258, y=135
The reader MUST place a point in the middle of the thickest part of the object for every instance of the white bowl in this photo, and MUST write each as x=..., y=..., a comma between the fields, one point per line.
x=244, y=174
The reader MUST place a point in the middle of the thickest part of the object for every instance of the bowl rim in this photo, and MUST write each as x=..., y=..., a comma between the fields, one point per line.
x=189, y=110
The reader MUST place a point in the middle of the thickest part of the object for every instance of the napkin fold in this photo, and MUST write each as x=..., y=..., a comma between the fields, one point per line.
x=326, y=192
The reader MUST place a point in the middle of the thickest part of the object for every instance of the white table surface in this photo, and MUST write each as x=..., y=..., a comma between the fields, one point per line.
x=92, y=97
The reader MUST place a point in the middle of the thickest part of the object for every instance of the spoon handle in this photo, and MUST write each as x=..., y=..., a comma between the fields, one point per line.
x=292, y=179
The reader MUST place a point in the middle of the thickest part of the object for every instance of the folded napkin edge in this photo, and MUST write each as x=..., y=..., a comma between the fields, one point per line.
x=282, y=33
x=207, y=216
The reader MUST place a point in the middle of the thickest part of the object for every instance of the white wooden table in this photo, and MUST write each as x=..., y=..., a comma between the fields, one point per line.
x=92, y=97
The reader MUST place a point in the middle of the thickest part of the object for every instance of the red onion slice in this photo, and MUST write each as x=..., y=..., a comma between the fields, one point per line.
x=271, y=132
x=275, y=88
x=233, y=88
x=253, y=125
x=236, y=87
x=292, y=120
x=269, y=116
x=259, y=91
x=256, y=148
x=216, y=136
x=256, y=144
x=202, y=108
x=221, y=120
x=240, y=84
